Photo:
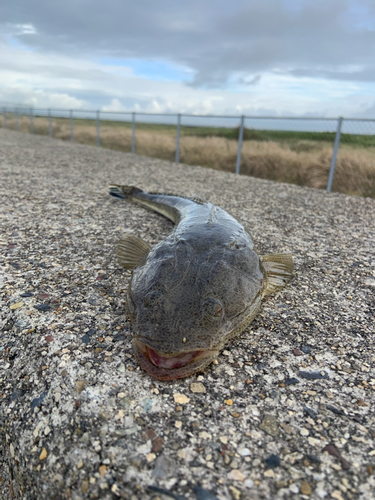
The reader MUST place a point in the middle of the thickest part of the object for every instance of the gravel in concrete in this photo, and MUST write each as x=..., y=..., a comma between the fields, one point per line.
x=286, y=413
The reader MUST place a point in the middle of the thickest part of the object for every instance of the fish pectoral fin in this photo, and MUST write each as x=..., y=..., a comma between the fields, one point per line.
x=131, y=250
x=279, y=271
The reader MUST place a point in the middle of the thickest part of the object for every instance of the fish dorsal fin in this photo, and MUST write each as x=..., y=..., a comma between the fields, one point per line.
x=279, y=271
x=131, y=250
x=198, y=200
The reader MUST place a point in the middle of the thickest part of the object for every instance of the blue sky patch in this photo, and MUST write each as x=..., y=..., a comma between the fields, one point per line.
x=19, y=45
x=152, y=70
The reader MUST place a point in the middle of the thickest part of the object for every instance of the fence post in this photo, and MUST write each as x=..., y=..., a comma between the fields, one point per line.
x=177, y=159
x=17, y=119
x=133, y=133
x=31, y=121
x=239, y=150
x=49, y=123
x=334, y=154
x=5, y=118
x=71, y=126
x=98, y=128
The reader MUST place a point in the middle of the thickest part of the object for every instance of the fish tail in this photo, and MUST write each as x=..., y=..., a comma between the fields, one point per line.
x=123, y=191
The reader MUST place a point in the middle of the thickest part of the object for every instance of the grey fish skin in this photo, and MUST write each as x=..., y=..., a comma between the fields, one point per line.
x=196, y=289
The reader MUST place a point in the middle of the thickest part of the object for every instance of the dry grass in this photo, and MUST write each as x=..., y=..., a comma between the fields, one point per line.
x=301, y=162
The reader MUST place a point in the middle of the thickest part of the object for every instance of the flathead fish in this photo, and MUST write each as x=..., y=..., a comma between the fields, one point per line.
x=195, y=290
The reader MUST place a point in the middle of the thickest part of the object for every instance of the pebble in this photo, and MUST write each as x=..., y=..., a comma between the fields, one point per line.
x=236, y=475
x=332, y=450
x=314, y=441
x=205, y=435
x=314, y=458
x=157, y=444
x=85, y=486
x=164, y=467
x=17, y=305
x=235, y=492
x=43, y=454
x=313, y=375
x=180, y=398
x=80, y=385
x=244, y=452
x=337, y=495
x=297, y=352
x=38, y=401
x=291, y=381
x=306, y=349
x=228, y=402
x=287, y=428
x=197, y=387
x=335, y=410
x=17, y=393
x=272, y=461
x=269, y=425
x=310, y=411
x=305, y=488
x=26, y=294
x=116, y=490
x=85, y=339
x=42, y=307
x=269, y=473
x=304, y=432
x=234, y=464
x=149, y=434
x=203, y=494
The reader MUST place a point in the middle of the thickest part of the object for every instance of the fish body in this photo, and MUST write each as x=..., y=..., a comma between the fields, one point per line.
x=199, y=287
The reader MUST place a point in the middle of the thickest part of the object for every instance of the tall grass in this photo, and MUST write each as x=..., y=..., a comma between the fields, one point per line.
x=299, y=158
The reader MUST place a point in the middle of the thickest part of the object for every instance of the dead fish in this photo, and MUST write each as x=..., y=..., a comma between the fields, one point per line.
x=195, y=290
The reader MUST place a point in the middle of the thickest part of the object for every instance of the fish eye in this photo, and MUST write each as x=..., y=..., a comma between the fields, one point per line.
x=212, y=307
x=151, y=299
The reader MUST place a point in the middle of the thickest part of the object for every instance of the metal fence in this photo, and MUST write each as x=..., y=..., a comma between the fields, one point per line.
x=238, y=131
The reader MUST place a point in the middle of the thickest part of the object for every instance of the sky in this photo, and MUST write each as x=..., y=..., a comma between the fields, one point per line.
x=259, y=58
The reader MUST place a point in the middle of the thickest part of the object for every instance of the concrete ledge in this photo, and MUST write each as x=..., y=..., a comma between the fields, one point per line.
x=288, y=411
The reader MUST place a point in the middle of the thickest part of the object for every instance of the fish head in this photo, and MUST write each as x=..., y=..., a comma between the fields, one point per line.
x=184, y=305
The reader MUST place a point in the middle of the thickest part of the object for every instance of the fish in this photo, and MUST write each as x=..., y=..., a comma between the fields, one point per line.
x=195, y=290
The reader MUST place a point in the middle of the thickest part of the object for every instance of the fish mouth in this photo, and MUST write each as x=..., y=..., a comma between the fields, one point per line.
x=166, y=366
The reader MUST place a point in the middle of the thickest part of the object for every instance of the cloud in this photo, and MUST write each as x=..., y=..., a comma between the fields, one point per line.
x=212, y=42
x=114, y=106
x=280, y=56
x=25, y=29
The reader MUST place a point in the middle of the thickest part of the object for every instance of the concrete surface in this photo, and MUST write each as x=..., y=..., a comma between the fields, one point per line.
x=286, y=413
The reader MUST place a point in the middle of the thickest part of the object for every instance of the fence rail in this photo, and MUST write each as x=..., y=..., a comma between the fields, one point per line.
x=236, y=128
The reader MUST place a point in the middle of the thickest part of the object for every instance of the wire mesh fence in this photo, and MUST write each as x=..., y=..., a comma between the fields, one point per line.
x=336, y=154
